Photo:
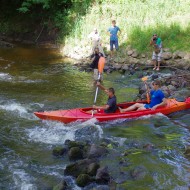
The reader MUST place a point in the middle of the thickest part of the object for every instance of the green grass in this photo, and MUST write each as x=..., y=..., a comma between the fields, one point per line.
x=138, y=20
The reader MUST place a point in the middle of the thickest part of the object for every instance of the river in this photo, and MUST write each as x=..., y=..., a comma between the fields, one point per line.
x=35, y=78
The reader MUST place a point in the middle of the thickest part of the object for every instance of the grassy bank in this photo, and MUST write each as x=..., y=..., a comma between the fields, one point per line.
x=138, y=20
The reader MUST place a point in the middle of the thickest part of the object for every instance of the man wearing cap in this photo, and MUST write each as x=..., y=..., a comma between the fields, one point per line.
x=156, y=42
x=96, y=41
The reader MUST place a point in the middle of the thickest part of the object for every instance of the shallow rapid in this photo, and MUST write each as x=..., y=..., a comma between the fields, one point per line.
x=34, y=79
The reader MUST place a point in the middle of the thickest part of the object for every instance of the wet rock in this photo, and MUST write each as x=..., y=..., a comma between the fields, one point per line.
x=102, y=175
x=92, y=168
x=96, y=151
x=61, y=186
x=59, y=151
x=83, y=180
x=79, y=167
x=75, y=153
x=71, y=144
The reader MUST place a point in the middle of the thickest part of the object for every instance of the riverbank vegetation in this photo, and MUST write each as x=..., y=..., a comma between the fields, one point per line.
x=70, y=21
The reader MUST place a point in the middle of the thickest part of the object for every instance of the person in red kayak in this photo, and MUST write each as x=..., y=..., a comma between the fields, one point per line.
x=111, y=105
x=157, y=100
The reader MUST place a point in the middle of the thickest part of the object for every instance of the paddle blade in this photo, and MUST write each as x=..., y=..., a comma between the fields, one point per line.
x=144, y=79
x=101, y=64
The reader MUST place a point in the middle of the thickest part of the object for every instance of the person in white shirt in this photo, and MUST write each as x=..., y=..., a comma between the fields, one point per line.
x=96, y=41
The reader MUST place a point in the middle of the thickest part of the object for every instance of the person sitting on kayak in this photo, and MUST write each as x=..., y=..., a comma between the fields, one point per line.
x=157, y=100
x=111, y=105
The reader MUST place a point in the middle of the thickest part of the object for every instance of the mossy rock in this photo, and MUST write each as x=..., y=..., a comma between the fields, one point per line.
x=80, y=167
x=75, y=153
x=83, y=180
x=72, y=144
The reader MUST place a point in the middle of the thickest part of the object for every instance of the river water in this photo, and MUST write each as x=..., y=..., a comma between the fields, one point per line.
x=32, y=79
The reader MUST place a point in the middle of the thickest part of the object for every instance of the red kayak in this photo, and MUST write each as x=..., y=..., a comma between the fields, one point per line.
x=79, y=114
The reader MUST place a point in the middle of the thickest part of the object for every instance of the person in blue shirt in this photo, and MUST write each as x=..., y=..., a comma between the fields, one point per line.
x=156, y=42
x=113, y=32
x=157, y=100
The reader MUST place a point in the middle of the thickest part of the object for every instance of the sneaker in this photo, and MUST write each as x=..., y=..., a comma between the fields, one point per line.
x=157, y=69
x=154, y=68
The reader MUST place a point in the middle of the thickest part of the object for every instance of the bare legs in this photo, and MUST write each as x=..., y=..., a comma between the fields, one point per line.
x=156, y=67
x=137, y=106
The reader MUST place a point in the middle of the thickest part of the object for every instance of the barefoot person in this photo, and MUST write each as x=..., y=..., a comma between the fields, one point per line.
x=157, y=100
x=156, y=42
x=113, y=33
x=111, y=105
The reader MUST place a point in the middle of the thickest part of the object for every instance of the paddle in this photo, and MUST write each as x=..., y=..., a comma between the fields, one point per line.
x=101, y=64
x=144, y=79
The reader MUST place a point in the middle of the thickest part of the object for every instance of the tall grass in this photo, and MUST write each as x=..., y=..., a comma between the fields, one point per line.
x=138, y=20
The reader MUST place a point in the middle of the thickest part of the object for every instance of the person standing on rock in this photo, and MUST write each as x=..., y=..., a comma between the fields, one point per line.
x=156, y=42
x=113, y=31
x=94, y=65
x=96, y=41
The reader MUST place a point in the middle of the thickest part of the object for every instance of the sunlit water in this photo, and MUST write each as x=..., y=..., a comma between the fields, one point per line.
x=33, y=79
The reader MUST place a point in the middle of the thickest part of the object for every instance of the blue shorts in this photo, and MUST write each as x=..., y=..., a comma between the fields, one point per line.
x=115, y=43
x=147, y=106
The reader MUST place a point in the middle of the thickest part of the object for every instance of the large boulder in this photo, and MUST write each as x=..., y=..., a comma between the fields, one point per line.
x=75, y=153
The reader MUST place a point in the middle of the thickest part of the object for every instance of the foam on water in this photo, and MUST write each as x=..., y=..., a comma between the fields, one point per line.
x=18, y=109
x=22, y=180
x=57, y=133
x=51, y=133
x=5, y=77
